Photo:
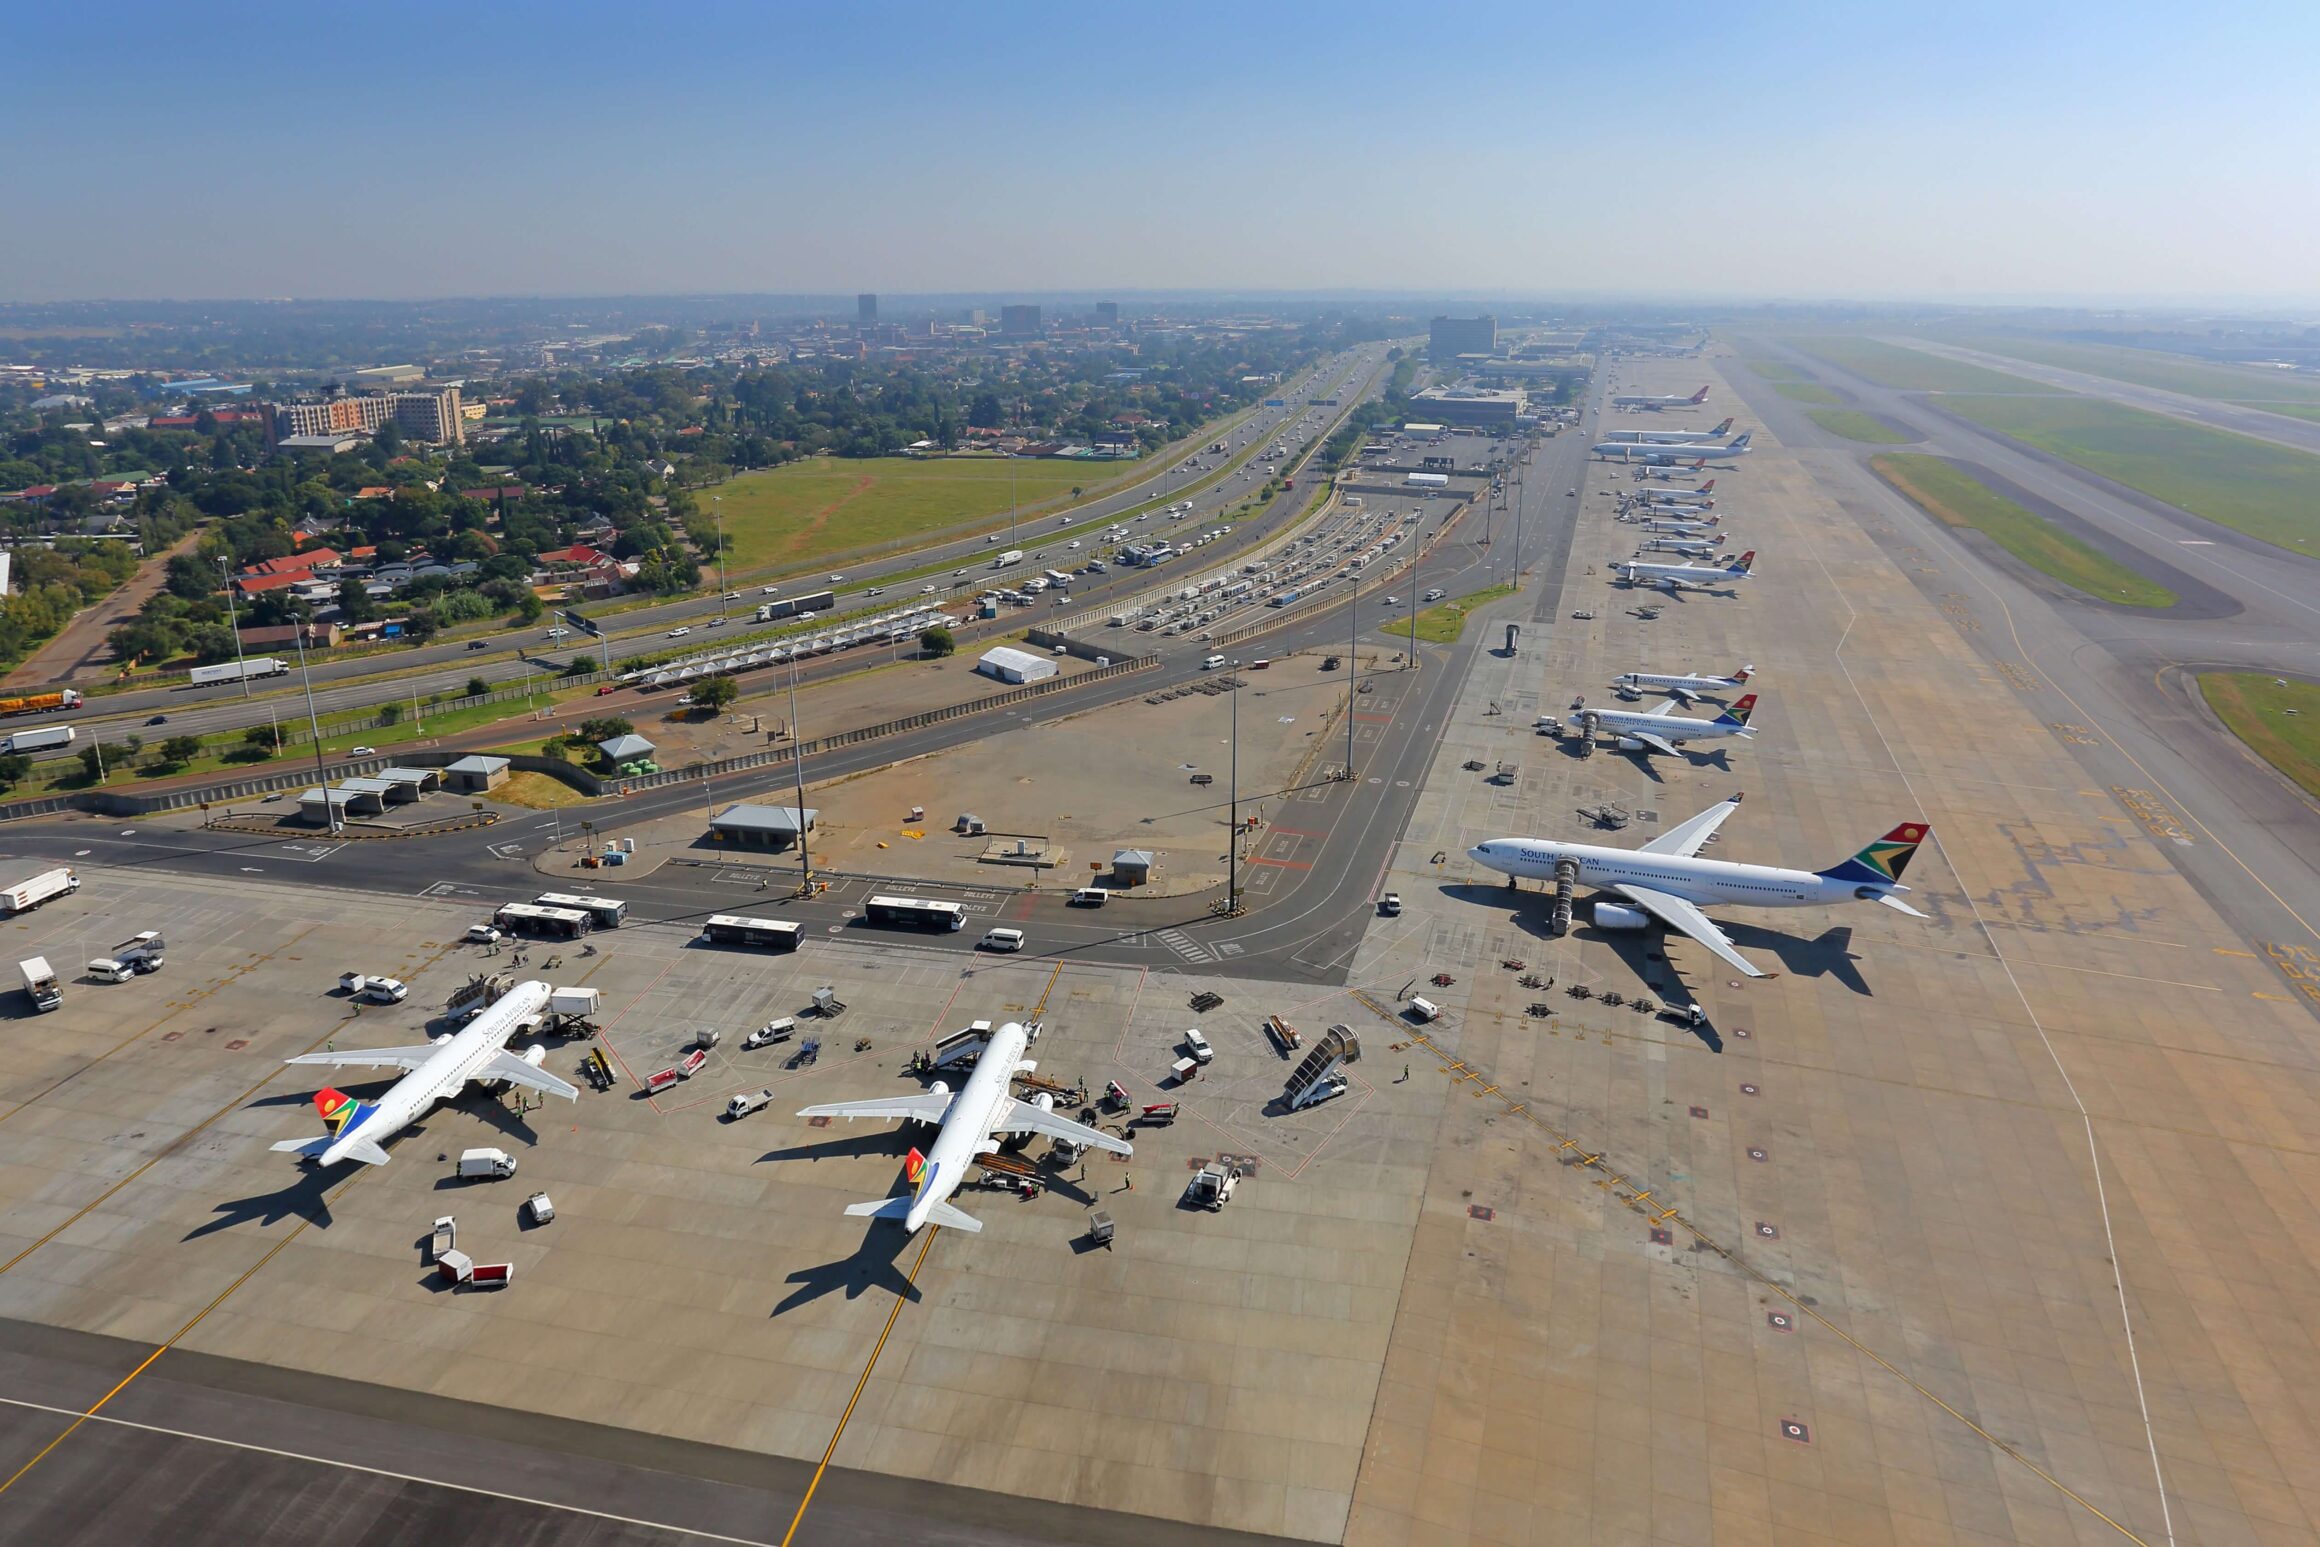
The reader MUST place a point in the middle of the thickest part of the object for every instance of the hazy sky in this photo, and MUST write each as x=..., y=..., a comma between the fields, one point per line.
x=2052, y=150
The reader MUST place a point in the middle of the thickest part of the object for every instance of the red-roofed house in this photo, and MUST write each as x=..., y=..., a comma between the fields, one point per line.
x=513, y=491
x=578, y=556
x=253, y=585
x=374, y=491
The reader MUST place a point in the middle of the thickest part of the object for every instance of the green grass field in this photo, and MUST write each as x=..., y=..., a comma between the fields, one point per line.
x=1442, y=625
x=797, y=514
x=2281, y=724
x=1890, y=365
x=2251, y=486
x=1805, y=392
x=1949, y=493
x=2277, y=391
x=1854, y=425
x=1774, y=370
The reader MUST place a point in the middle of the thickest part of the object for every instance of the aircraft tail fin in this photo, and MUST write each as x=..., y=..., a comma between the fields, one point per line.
x=1723, y=429
x=1882, y=862
x=1744, y=673
x=1738, y=714
x=1740, y=442
x=1700, y=396
x=1710, y=486
x=1745, y=563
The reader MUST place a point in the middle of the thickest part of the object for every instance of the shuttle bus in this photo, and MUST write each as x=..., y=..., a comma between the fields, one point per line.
x=603, y=912
x=529, y=918
x=914, y=913
x=731, y=929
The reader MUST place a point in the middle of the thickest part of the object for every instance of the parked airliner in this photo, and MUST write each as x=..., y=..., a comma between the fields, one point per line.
x=1646, y=400
x=1674, y=577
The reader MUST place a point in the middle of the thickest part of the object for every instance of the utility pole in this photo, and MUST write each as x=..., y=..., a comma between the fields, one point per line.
x=314, y=722
x=1232, y=853
x=797, y=758
x=1418, y=553
x=233, y=622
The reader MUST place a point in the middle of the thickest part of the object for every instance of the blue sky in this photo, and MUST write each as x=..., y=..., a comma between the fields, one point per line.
x=2068, y=150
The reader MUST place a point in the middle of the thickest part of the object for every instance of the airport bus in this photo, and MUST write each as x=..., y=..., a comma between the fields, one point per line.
x=914, y=913
x=603, y=912
x=732, y=929
x=529, y=918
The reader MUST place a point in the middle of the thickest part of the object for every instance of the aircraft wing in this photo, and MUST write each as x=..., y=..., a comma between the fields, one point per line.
x=508, y=1067
x=1024, y=1117
x=1686, y=918
x=1656, y=743
x=927, y=1108
x=404, y=1058
x=1689, y=838
x=1664, y=706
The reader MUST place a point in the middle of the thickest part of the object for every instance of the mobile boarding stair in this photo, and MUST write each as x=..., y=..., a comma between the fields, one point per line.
x=1320, y=1074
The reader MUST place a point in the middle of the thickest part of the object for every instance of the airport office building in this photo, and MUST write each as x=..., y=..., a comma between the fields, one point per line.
x=1449, y=337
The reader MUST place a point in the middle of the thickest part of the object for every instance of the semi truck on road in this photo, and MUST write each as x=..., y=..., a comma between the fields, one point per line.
x=235, y=671
x=40, y=703
x=40, y=738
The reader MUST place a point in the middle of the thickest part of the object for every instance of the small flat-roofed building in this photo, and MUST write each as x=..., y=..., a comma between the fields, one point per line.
x=367, y=794
x=477, y=775
x=1012, y=665
x=411, y=783
x=1131, y=867
x=1426, y=481
x=317, y=804
x=764, y=827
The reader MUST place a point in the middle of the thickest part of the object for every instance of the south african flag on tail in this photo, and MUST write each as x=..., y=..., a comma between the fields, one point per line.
x=1884, y=860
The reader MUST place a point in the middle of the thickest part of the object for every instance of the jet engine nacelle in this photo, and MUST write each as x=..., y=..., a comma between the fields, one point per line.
x=1630, y=744
x=1045, y=1102
x=536, y=1054
x=938, y=1088
x=1617, y=915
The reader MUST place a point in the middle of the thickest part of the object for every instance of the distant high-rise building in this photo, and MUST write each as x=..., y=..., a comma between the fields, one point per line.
x=430, y=416
x=865, y=309
x=1107, y=314
x=1019, y=321
x=1451, y=337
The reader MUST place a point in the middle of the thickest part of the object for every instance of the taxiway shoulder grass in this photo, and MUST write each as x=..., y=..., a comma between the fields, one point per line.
x=2249, y=485
x=1891, y=365
x=2281, y=724
x=1949, y=493
x=1855, y=425
x=788, y=516
x=2249, y=386
x=1442, y=625
x=1773, y=370
x=1806, y=392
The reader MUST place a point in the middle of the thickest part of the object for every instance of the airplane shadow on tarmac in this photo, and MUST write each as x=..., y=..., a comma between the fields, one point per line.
x=306, y=1196
x=870, y=1266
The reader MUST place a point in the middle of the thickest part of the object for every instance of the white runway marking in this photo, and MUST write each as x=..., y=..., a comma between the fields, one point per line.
x=376, y=1471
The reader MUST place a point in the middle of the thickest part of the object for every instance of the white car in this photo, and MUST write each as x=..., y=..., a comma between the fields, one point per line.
x=834, y=579
x=1001, y=940
x=926, y=590
x=483, y=934
x=958, y=574
x=732, y=596
x=1073, y=543
x=558, y=633
x=876, y=590
x=679, y=633
x=769, y=590
x=1197, y=1046
x=362, y=751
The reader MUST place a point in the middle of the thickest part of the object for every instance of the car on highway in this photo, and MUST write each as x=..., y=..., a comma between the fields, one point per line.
x=479, y=644
x=926, y=590
x=678, y=633
x=834, y=579
x=558, y=633
x=362, y=751
x=769, y=590
x=958, y=574
x=876, y=590
x=732, y=596
x=1393, y=601
x=159, y=719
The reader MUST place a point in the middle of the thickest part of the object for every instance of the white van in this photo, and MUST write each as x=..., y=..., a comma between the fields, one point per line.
x=1212, y=663
x=1001, y=940
x=1424, y=1009
x=1090, y=897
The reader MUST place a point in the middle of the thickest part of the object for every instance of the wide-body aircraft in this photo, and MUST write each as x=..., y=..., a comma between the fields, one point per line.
x=1668, y=456
x=1667, y=880
x=1669, y=437
x=1647, y=400
x=1660, y=728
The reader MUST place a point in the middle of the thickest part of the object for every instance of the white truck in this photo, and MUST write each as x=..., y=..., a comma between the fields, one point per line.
x=138, y=954
x=486, y=1165
x=24, y=895
x=377, y=990
x=235, y=671
x=40, y=738
x=40, y=985
x=1009, y=559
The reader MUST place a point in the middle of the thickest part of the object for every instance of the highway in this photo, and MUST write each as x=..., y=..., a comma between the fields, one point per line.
x=2115, y=682
x=1300, y=922
x=354, y=683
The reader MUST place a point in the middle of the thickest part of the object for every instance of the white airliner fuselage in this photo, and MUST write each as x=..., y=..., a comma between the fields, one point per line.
x=1675, y=576
x=437, y=1071
x=1632, y=451
x=1683, y=684
x=983, y=1108
x=1656, y=728
x=1669, y=437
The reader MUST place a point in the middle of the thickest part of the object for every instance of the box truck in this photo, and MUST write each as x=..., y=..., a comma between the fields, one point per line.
x=40, y=738
x=40, y=984
x=25, y=895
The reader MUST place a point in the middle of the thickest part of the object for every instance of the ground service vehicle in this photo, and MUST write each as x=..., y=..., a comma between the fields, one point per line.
x=529, y=918
x=914, y=913
x=41, y=703
x=1001, y=940
x=732, y=929
x=236, y=671
x=486, y=1165
x=377, y=990
x=40, y=985
x=138, y=954
x=745, y=1103
x=40, y=738
x=1197, y=1046
x=25, y=895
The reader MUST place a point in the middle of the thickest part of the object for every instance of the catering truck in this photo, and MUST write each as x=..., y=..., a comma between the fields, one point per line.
x=22, y=896
x=235, y=671
x=41, y=703
x=40, y=984
x=39, y=738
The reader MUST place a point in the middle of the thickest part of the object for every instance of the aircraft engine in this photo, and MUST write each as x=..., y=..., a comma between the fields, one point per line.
x=938, y=1088
x=536, y=1054
x=1046, y=1102
x=1617, y=915
x=1630, y=744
